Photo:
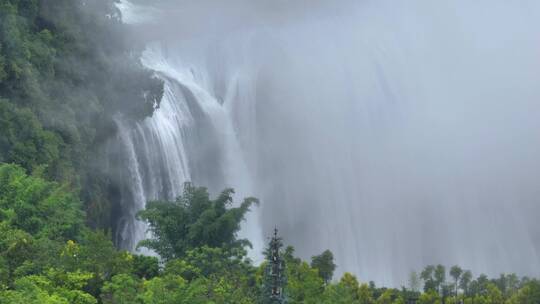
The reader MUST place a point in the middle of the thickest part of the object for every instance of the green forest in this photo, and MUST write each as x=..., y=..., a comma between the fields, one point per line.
x=49, y=255
x=66, y=69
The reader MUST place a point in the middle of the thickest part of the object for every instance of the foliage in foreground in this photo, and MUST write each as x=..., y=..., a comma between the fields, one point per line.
x=47, y=255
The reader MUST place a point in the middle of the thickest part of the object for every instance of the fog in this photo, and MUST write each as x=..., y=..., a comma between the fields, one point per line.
x=395, y=133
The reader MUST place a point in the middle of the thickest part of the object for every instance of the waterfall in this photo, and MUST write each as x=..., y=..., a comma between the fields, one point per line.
x=190, y=138
x=395, y=133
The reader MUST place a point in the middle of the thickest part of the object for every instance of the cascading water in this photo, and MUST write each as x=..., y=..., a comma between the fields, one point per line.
x=190, y=138
x=395, y=133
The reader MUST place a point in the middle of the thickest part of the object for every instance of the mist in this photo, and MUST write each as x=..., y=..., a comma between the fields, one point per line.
x=395, y=133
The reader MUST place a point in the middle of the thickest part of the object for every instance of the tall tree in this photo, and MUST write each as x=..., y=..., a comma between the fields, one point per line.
x=275, y=279
x=465, y=282
x=440, y=277
x=427, y=276
x=456, y=273
x=324, y=263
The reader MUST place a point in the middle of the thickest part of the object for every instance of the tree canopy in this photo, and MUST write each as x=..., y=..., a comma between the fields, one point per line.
x=324, y=263
x=194, y=220
x=48, y=255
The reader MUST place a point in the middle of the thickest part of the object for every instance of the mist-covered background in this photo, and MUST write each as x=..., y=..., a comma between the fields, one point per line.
x=395, y=133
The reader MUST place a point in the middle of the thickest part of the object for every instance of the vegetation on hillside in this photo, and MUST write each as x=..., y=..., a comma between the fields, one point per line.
x=66, y=68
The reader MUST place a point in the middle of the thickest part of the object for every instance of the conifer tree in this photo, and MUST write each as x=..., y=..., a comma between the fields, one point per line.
x=274, y=280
